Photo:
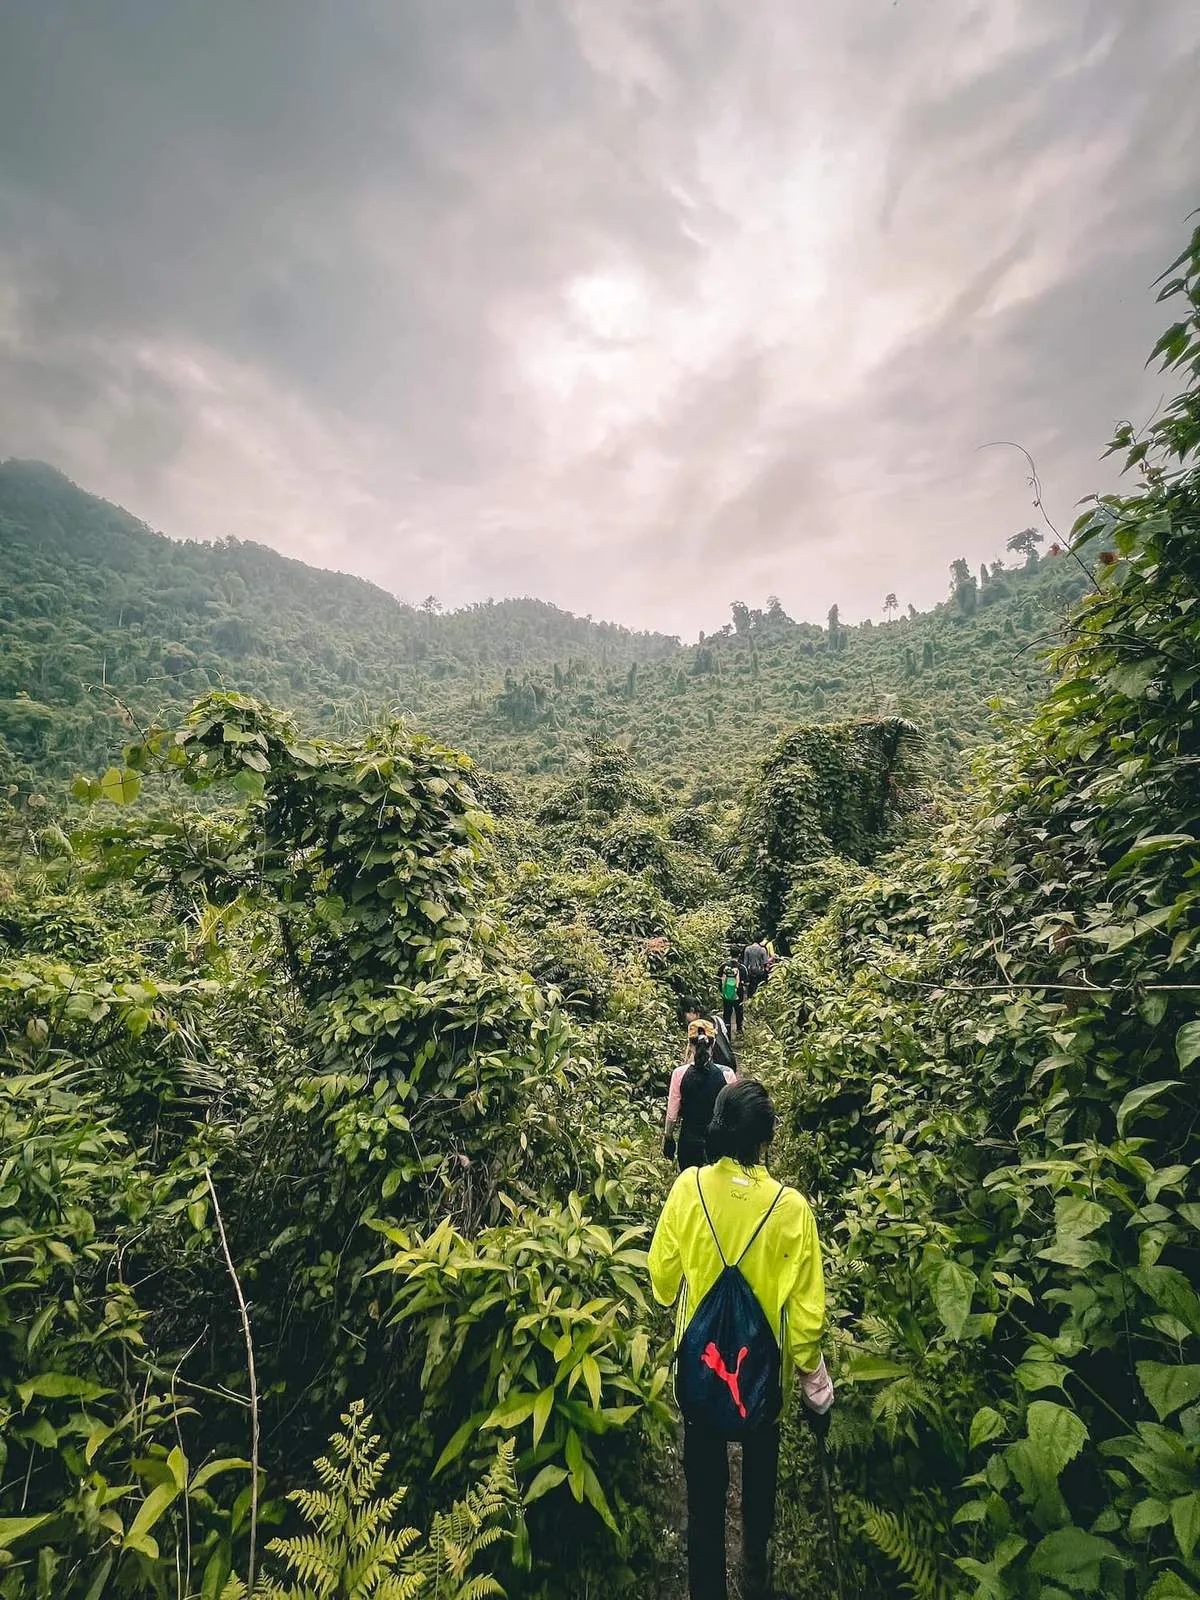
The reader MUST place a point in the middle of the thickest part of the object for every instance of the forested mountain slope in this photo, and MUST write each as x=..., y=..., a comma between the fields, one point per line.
x=98, y=609
x=340, y=1092
x=102, y=617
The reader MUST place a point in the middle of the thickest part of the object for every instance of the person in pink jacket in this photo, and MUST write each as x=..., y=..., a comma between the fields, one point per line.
x=695, y=1085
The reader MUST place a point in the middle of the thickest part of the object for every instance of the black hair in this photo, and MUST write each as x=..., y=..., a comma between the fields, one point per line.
x=701, y=1065
x=743, y=1122
x=692, y=1006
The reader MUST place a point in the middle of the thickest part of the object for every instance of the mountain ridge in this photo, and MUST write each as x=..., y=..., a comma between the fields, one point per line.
x=108, y=622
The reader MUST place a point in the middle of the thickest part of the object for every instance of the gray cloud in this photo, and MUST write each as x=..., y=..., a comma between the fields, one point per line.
x=641, y=308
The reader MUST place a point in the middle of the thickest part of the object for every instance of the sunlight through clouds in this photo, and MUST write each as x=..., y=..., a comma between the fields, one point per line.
x=582, y=298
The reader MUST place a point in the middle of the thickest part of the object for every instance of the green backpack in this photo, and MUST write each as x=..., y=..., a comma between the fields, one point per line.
x=729, y=986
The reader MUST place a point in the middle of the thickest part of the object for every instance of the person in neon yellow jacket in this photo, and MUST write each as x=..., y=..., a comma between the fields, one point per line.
x=783, y=1267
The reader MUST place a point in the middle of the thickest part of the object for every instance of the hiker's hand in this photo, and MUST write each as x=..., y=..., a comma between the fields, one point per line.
x=818, y=1421
x=818, y=1389
x=669, y=1148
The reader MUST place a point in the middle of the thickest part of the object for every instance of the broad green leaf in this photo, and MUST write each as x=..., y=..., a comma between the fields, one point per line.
x=574, y=1457
x=1137, y=1098
x=14, y=1528
x=1132, y=680
x=119, y=786
x=986, y=1424
x=59, y=1386
x=1185, y=1519
x=1072, y=1556
x=971, y=1511
x=1170, y=1586
x=1187, y=1044
x=548, y=1478
x=1034, y=1375
x=1150, y=847
x=639, y=1347
x=596, y=1498
x=1075, y=1217
x=1056, y=1436
x=1170, y=1289
x=952, y=1291
x=156, y=1503
x=457, y=1442
x=512, y=1412
x=98, y=1437
x=872, y=1369
x=542, y=1408
x=591, y=1376
x=210, y=1469
x=1168, y=1388
x=1149, y=1513
x=250, y=783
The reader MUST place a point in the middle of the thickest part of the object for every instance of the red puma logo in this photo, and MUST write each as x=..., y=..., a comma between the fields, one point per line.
x=711, y=1358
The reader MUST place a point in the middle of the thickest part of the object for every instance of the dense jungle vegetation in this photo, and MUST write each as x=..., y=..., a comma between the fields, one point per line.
x=332, y=1064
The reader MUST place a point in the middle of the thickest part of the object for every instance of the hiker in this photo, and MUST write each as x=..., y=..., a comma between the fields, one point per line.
x=745, y=1250
x=692, y=1097
x=723, y=1053
x=756, y=963
x=731, y=977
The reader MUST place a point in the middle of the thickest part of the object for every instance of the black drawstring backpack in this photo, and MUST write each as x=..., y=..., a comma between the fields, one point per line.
x=728, y=1368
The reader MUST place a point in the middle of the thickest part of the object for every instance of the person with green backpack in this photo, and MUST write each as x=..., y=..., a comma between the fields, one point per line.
x=732, y=979
x=740, y=1253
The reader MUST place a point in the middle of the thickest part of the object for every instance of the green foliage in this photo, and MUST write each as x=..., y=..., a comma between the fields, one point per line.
x=355, y=1553
x=991, y=1037
x=562, y=1376
x=911, y=1553
x=824, y=791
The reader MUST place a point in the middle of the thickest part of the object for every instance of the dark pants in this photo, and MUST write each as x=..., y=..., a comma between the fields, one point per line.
x=692, y=1153
x=706, y=1468
x=754, y=982
x=732, y=1009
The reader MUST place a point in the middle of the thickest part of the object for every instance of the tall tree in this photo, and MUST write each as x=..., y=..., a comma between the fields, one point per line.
x=1026, y=543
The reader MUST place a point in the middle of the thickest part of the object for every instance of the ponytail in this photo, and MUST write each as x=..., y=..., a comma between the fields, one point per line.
x=701, y=1065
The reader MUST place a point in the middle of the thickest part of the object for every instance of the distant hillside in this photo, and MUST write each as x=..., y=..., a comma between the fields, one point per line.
x=102, y=618
x=96, y=609
x=706, y=711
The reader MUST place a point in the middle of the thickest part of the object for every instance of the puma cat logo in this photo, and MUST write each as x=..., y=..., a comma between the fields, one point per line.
x=711, y=1358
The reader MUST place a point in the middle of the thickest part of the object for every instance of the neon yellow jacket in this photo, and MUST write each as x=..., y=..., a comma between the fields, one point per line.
x=783, y=1266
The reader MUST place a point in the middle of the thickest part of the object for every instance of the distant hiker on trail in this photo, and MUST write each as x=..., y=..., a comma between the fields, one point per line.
x=695, y=1085
x=732, y=978
x=723, y=1053
x=756, y=963
x=745, y=1251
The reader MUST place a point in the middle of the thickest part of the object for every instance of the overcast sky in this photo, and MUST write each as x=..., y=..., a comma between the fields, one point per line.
x=641, y=306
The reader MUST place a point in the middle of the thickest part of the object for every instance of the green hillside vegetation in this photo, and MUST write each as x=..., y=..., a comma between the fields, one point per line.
x=331, y=1086
x=108, y=626
x=101, y=613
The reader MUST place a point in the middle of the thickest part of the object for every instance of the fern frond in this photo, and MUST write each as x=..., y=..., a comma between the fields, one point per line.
x=352, y=1547
x=894, y=1536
